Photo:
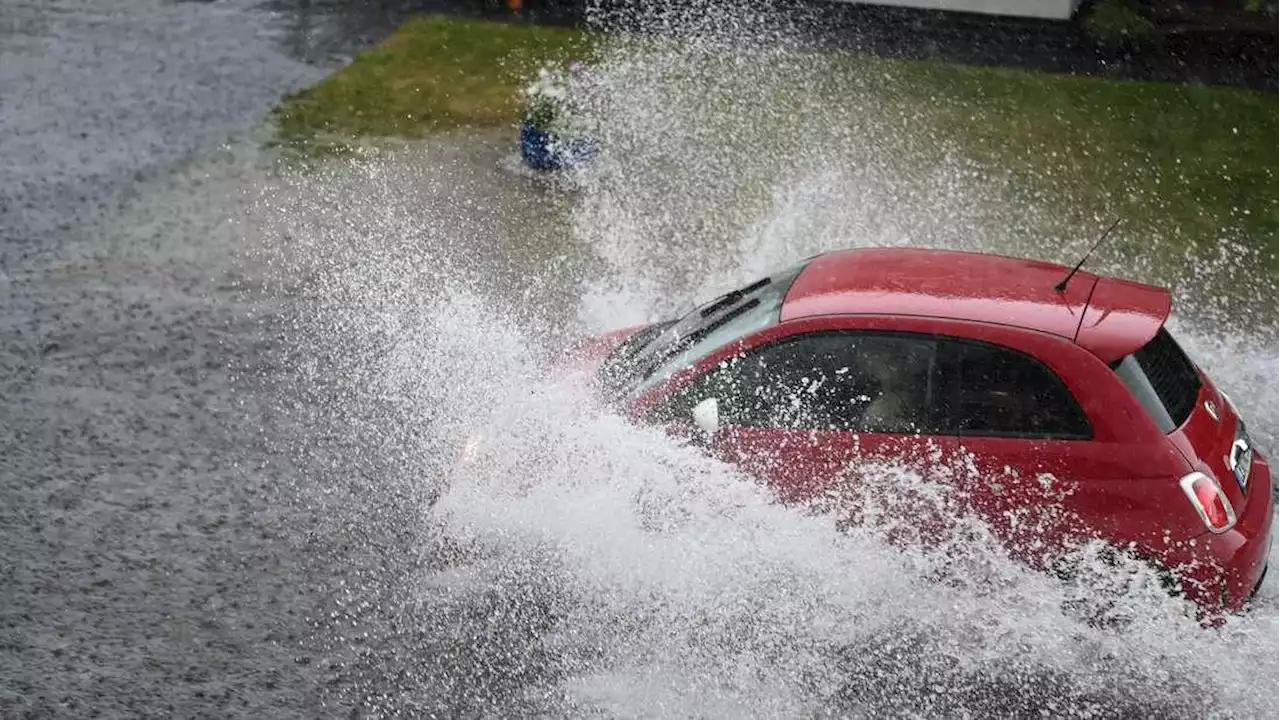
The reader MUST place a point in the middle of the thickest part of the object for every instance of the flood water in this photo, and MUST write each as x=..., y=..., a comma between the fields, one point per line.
x=232, y=387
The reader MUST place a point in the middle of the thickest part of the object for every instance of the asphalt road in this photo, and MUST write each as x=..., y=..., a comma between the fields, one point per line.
x=132, y=501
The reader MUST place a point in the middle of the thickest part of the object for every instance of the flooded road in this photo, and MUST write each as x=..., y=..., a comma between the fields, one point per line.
x=231, y=388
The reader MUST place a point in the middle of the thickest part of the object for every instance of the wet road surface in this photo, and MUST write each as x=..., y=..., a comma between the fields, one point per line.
x=126, y=518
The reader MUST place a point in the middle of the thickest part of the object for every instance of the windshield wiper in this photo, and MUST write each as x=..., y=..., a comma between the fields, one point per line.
x=678, y=344
x=682, y=343
x=733, y=297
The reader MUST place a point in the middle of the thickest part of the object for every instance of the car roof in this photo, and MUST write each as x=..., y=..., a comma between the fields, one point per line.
x=1106, y=316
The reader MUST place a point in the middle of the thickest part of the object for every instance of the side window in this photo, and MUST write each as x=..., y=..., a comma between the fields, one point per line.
x=985, y=389
x=862, y=382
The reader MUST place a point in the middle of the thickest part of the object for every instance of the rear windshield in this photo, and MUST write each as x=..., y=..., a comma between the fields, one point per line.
x=1163, y=379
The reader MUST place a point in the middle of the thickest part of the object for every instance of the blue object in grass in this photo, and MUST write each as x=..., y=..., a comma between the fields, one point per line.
x=541, y=151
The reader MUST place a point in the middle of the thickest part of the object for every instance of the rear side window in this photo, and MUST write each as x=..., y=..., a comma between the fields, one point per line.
x=987, y=390
x=1163, y=379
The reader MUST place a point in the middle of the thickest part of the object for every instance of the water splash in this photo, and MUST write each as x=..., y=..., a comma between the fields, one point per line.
x=577, y=564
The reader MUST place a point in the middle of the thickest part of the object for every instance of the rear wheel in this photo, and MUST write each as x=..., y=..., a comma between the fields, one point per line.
x=1108, y=587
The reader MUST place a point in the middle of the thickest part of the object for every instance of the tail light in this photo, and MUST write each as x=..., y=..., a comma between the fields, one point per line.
x=1209, y=501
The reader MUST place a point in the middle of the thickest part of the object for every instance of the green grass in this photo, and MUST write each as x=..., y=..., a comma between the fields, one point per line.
x=431, y=74
x=1117, y=21
x=1191, y=165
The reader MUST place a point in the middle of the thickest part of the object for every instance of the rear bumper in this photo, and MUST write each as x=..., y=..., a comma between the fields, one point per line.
x=1222, y=572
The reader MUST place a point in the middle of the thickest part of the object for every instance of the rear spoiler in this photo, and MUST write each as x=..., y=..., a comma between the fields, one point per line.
x=1122, y=316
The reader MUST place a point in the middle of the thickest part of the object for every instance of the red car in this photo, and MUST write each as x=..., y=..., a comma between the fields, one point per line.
x=924, y=353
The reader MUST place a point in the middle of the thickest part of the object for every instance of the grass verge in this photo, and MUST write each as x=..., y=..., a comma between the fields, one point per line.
x=431, y=74
x=1194, y=164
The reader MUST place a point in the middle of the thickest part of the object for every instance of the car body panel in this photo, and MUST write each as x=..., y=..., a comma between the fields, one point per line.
x=803, y=465
x=940, y=284
x=1121, y=317
x=1122, y=482
x=1206, y=441
x=1109, y=317
x=1223, y=571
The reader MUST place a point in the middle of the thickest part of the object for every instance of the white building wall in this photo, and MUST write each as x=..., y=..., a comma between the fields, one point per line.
x=1052, y=9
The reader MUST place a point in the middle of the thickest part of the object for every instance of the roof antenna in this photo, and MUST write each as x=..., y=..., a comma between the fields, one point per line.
x=1062, y=286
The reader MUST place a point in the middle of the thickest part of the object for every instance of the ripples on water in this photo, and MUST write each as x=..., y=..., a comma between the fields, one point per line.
x=583, y=565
